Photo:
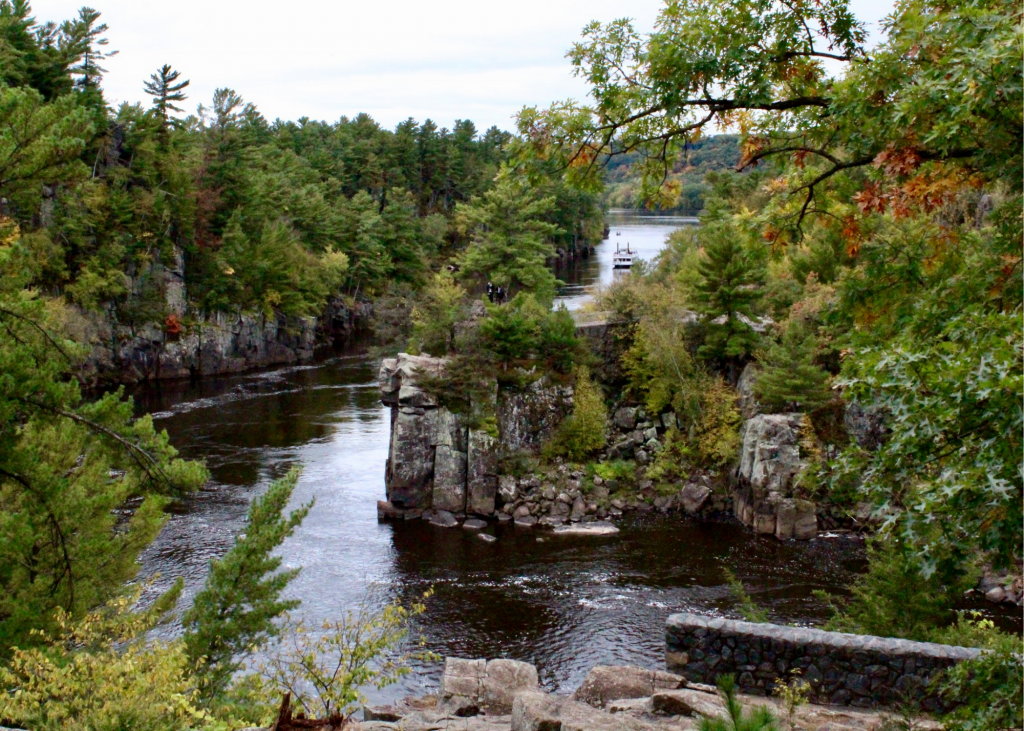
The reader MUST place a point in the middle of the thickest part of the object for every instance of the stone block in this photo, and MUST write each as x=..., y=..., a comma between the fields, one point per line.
x=606, y=683
x=625, y=417
x=693, y=497
x=785, y=518
x=540, y=712
x=686, y=702
x=764, y=523
x=806, y=525
x=449, y=488
x=502, y=681
x=482, y=478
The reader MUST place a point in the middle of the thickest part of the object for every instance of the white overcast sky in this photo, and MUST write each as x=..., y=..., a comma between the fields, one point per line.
x=445, y=59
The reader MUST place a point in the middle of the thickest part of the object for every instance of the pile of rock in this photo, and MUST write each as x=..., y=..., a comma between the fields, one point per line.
x=564, y=495
x=504, y=695
x=1003, y=587
x=635, y=435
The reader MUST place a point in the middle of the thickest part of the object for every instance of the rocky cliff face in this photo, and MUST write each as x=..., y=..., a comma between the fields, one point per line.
x=216, y=344
x=769, y=461
x=435, y=461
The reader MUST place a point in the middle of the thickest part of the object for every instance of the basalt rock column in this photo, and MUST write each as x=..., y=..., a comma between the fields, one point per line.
x=434, y=460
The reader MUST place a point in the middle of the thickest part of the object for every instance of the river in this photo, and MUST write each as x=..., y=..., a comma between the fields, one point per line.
x=564, y=605
x=643, y=232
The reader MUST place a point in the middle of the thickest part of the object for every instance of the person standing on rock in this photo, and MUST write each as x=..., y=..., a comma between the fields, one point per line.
x=490, y=292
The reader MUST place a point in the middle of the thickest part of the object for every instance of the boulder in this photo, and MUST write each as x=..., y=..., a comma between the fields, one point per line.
x=770, y=455
x=443, y=519
x=606, y=683
x=387, y=511
x=508, y=489
x=625, y=417
x=693, y=496
x=587, y=529
x=541, y=712
x=687, y=702
x=471, y=686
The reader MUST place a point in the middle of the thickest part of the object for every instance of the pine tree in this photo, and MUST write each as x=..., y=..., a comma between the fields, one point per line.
x=165, y=89
x=728, y=289
x=790, y=380
x=67, y=465
x=510, y=240
x=237, y=607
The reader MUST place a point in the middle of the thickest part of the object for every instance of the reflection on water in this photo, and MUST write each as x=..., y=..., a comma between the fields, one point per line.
x=645, y=233
x=564, y=604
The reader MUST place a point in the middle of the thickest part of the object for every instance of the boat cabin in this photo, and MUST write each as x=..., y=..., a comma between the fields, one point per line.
x=623, y=258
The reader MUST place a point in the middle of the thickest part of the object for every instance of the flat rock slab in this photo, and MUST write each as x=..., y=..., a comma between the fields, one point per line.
x=527, y=521
x=685, y=702
x=443, y=519
x=606, y=683
x=586, y=529
x=433, y=721
x=486, y=537
x=540, y=712
x=475, y=524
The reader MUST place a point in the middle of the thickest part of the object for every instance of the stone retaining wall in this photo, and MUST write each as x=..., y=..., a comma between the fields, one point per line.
x=843, y=669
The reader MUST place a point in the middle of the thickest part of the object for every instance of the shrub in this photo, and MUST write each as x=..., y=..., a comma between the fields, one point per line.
x=745, y=604
x=758, y=719
x=716, y=432
x=895, y=599
x=584, y=431
x=325, y=667
x=434, y=317
x=101, y=674
x=989, y=687
x=616, y=469
x=672, y=462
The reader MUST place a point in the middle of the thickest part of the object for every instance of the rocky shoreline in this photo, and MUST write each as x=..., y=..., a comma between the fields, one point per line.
x=442, y=470
x=504, y=695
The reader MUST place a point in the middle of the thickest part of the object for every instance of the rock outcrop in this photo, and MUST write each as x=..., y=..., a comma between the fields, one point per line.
x=470, y=687
x=434, y=461
x=527, y=418
x=606, y=683
x=215, y=344
x=769, y=462
x=473, y=697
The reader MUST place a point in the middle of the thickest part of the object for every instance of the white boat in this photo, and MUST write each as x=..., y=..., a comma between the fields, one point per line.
x=623, y=259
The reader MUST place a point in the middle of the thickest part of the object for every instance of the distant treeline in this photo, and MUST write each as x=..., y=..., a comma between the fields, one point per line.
x=264, y=216
x=709, y=154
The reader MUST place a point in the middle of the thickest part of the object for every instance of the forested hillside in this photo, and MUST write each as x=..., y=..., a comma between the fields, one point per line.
x=266, y=216
x=686, y=175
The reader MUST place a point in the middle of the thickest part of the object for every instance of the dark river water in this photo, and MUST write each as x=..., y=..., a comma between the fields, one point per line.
x=565, y=605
